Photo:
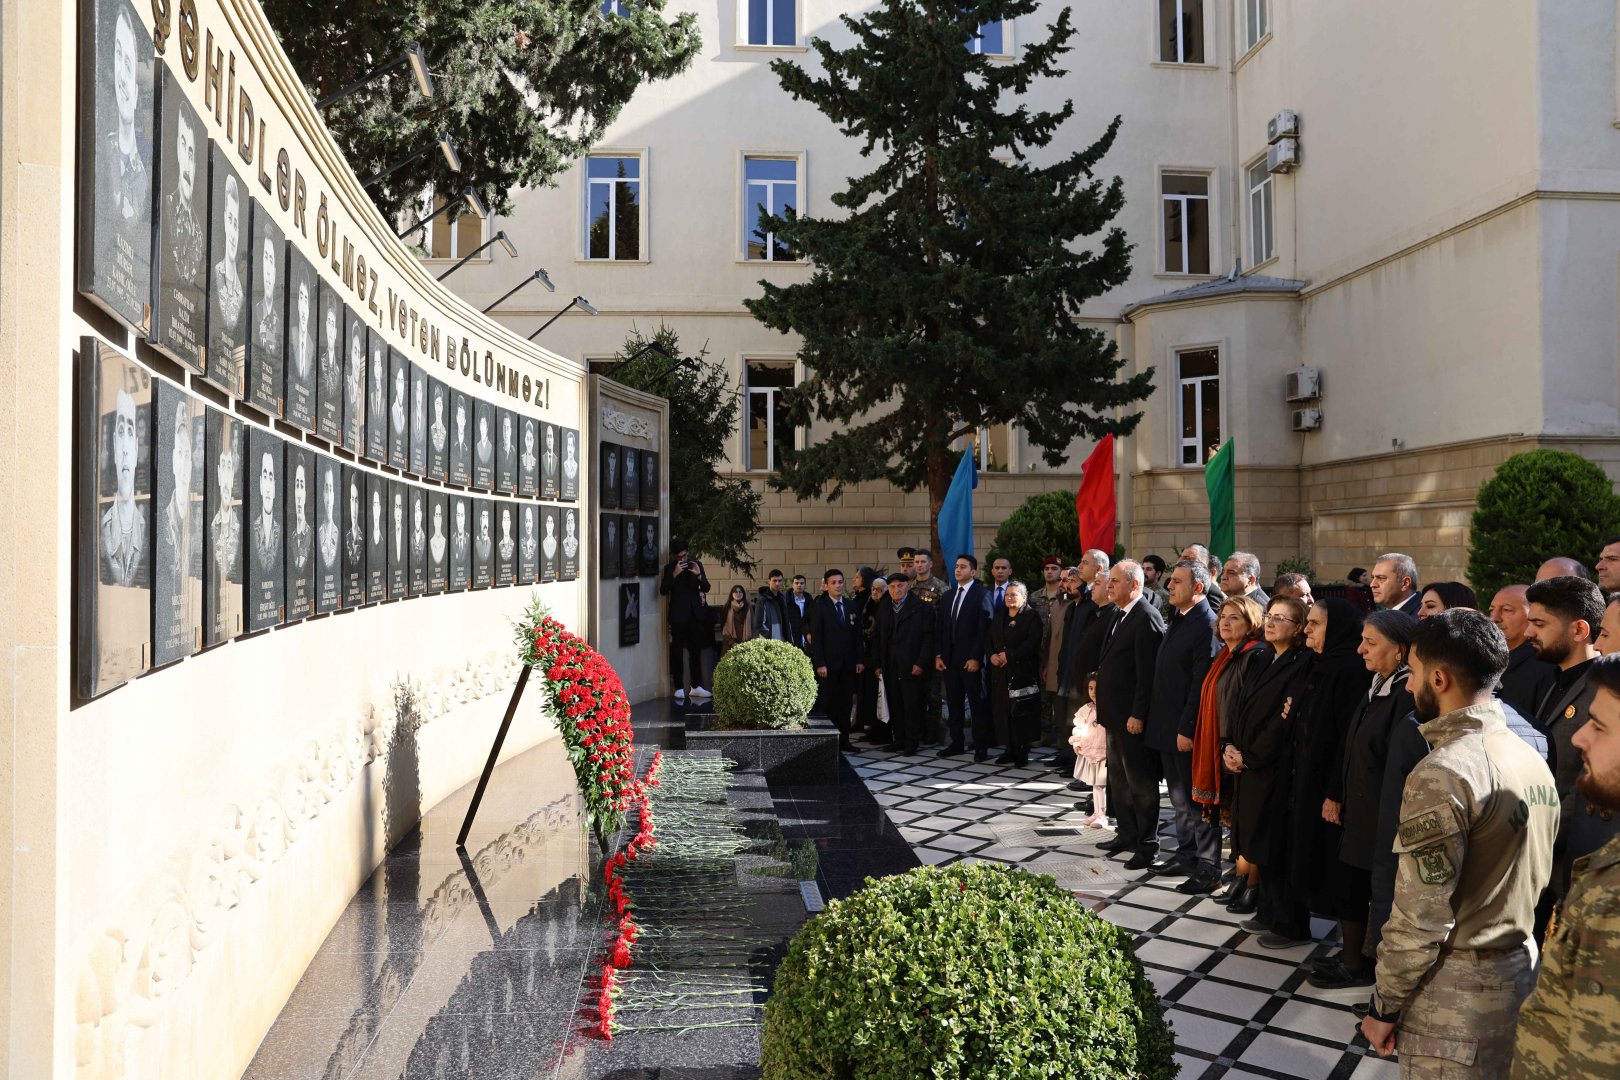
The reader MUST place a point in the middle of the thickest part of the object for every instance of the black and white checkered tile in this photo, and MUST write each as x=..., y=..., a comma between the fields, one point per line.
x=1238, y=1010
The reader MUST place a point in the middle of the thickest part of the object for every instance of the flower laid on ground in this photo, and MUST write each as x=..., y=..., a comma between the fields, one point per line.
x=620, y=954
x=589, y=704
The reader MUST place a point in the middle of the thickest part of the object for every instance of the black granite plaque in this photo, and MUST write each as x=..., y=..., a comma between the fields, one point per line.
x=649, y=481
x=328, y=534
x=629, y=614
x=416, y=582
x=550, y=543
x=376, y=538
x=505, y=544
x=267, y=317
x=180, y=293
x=570, y=465
x=399, y=562
x=506, y=452
x=550, y=463
x=607, y=555
x=329, y=369
x=629, y=545
x=528, y=569
x=461, y=436
x=529, y=459
x=355, y=499
x=438, y=463
x=177, y=589
x=483, y=451
x=608, y=489
x=222, y=541
x=227, y=275
x=303, y=313
x=438, y=550
x=265, y=588
x=399, y=409
x=629, y=478
x=460, y=542
x=647, y=552
x=419, y=410
x=483, y=560
x=377, y=383
x=568, y=564
x=300, y=531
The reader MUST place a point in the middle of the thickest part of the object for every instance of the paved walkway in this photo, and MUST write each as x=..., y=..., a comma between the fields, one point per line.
x=1238, y=1010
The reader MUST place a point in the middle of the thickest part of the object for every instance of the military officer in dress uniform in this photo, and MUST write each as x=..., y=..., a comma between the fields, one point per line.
x=1479, y=815
x=905, y=555
x=928, y=588
x=1570, y=1026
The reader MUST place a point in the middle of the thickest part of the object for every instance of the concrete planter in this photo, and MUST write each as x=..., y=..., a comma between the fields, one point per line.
x=804, y=758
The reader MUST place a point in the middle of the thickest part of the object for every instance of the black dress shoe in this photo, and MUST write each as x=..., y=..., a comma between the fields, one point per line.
x=1337, y=977
x=950, y=751
x=1229, y=891
x=1246, y=902
x=846, y=746
x=1170, y=867
x=910, y=748
x=1140, y=861
x=1004, y=759
x=1202, y=881
x=894, y=748
x=1113, y=846
x=980, y=757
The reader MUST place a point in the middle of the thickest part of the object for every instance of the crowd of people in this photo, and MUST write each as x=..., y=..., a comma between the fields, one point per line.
x=1440, y=780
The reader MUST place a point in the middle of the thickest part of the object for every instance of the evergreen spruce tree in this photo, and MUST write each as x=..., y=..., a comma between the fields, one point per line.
x=944, y=300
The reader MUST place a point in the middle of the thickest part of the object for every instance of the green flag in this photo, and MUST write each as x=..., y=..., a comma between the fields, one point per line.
x=1220, y=480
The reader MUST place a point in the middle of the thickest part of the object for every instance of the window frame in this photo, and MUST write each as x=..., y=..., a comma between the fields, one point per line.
x=740, y=37
x=800, y=159
x=1008, y=47
x=612, y=9
x=429, y=206
x=1179, y=442
x=1249, y=38
x=1211, y=198
x=790, y=363
x=1208, y=60
x=582, y=252
x=1256, y=259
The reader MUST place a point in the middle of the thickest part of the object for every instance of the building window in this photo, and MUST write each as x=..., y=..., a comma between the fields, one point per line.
x=770, y=185
x=1254, y=21
x=1262, y=231
x=771, y=22
x=767, y=432
x=452, y=239
x=1181, y=31
x=615, y=8
x=991, y=39
x=612, y=207
x=1198, y=385
x=1186, y=223
x=992, y=446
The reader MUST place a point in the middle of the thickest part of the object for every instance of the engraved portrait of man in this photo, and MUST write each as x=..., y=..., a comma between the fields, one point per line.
x=376, y=520
x=354, y=541
x=397, y=414
x=227, y=530
x=354, y=385
x=126, y=177
x=483, y=449
x=328, y=535
x=437, y=431
x=507, y=544
x=459, y=538
x=304, y=344
x=331, y=353
x=123, y=528
x=548, y=463
x=176, y=542
x=570, y=544
x=266, y=529
x=528, y=458
x=570, y=463
x=227, y=286
x=484, y=544
x=418, y=534
x=438, y=541
x=267, y=313
x=527, y=534
x=186, y=235
x=303, y=537
x=399, y=529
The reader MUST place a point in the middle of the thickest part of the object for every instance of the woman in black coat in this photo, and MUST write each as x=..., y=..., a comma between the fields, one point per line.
x=866, y=702
x=1260, y=754
x=1015, y=648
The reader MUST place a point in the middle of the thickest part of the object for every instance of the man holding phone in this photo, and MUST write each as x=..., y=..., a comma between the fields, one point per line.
x=685, y=583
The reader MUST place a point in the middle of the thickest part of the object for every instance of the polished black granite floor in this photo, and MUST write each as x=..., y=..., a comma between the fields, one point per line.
x=475, y=965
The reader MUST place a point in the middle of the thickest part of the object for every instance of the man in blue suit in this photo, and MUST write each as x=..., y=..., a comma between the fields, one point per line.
x=963, y=624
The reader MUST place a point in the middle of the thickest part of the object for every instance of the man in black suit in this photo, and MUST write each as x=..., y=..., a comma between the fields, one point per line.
x=962, y=620
x=1240, y=576
x=835, y=650
x=904, y=643
x=1183, y=661
x=1528, y=679
x=1125, y=671
x=1395, y=583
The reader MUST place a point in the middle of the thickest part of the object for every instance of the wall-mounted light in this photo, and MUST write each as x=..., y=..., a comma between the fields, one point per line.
x=412, y=56
x=539, y=275
x=578, y=301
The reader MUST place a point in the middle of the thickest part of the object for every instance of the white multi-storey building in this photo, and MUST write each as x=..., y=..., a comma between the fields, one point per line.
x=1416, y=201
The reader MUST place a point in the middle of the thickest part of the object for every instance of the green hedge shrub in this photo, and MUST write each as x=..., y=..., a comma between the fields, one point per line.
x=1540, y=503
x=1045, y=525
x=963, y=972
x=763, y=684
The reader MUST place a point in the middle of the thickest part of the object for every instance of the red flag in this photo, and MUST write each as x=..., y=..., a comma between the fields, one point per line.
x=1094, y=502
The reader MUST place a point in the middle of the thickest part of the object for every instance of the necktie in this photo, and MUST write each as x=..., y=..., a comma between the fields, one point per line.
x=1000, y=592
x=839, y=604
x=956, y=609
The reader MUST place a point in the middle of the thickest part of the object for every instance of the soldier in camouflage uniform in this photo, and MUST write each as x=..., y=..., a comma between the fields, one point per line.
x=1570, y=1026
x=1043, y=600
x=1479, y=815
x=928, y=588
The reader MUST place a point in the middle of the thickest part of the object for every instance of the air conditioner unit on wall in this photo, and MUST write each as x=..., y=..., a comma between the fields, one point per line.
x=1282, y=156
x=1307, y=419
x=1285, y=125
x=1303, y=384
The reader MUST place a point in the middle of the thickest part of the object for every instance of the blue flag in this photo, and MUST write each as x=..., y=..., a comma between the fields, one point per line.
x=956, y=513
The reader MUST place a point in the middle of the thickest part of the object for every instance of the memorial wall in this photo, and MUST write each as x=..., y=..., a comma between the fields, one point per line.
x=273, y=500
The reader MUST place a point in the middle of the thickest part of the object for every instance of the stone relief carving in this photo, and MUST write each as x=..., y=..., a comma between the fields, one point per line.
x=625, y=424
x=127, y=972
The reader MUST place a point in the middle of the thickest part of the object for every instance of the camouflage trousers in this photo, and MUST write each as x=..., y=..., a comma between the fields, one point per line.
x=1461, y=1022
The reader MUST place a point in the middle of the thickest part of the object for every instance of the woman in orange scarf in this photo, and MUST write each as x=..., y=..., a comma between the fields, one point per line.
x=1238, y=627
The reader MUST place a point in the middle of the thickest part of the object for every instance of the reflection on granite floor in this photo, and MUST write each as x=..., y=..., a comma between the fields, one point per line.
x=450, y=965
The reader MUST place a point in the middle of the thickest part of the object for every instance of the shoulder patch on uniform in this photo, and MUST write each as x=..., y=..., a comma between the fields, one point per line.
x=1420, y=827
x=1434, y=865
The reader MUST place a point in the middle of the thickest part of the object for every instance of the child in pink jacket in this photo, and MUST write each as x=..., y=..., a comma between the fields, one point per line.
x=1090, y=742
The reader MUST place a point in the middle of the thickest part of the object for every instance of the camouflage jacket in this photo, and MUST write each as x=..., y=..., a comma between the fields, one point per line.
x=1570, y=1025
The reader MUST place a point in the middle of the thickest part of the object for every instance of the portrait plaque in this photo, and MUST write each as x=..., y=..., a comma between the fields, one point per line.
x=438, y=464
x=419, y=410
x=505, y=543
x=483, y=457
x=376, y=538
x=399, y=409
x=461, y=436
x=177, y=506
x=483, y=559
x=416, y=583
x=608, y=550
x=328, y=534
x=354, y=382
x=528, y=571
x=438, y=551
x=647, y=563
x=629, y=614
x=550, y=463
x=629, y=478
x=649, y=481
x=550, y=544
x=354, y=536
x=303, y=312
x=378, y=381
x=506, y=452
x=329, y=370
x=265, y=588
x=460, y=542
x=399, y=538
x=115, y=162
x=608, y=493
x=227, y=275
x=299, y=529
x=529, y=459
x=629, y=545
x=568, y=565
x=267, y=318
x=180, y=293
x=222, y=541
x=570, y=465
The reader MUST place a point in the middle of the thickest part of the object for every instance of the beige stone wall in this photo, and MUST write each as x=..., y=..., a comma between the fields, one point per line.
x=1171, y=510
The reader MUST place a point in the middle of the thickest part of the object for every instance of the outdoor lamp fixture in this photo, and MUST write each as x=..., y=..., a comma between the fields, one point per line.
x=474, y=201
x=419, y=70
x=443, y=143
x=538, y=275
x=499, y=238
x=578, y=301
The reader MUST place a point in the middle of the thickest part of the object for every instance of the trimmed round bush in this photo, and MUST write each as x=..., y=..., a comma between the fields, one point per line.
x=1540, y=504
x=965, y=971
x=763, y=683
x=1046, y=524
